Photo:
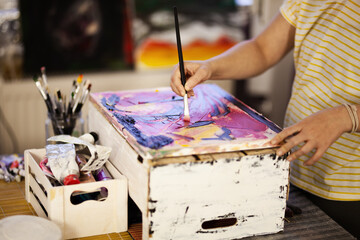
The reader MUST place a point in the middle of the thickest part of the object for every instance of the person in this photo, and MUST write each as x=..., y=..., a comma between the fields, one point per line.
x=321, y=120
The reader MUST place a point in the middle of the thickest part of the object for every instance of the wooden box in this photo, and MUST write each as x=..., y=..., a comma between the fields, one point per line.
x=208, y=182
x=91, y=217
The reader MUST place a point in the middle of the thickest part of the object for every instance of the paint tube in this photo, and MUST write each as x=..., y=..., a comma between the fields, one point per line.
x=85, y=176
x=44, y=166
x=102, y=174
x=8, y=177
x=14, y=167
x=22, y=169
x=61, y=158
x=91, y=137
x=98, y=154
x=80, y=143
x=11, y=167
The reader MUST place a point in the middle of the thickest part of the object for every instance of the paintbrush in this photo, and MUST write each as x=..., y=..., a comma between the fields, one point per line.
x=43, y=75
x=45, y=96
x=181, y=65
x=38, y=85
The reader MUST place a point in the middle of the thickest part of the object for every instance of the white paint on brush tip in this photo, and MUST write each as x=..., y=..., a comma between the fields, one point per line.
x=186, y=109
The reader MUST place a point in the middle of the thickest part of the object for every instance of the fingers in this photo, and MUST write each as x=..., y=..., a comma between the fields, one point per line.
x=284, y=134
x=308, y=147
x=175, y=82
x=199, y=76
x=290, y=143
x=292, y=137
x=316, y=132
x=317, y=155
x=305, y=149
x=191, y=93
x=196, y=72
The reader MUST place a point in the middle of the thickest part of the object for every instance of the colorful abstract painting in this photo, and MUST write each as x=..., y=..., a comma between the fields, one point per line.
x=152, y=121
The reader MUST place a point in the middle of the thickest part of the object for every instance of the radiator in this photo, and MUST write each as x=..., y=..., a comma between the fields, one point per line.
x=25, y=111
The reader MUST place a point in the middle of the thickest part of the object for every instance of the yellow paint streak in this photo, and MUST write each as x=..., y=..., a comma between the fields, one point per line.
x=198, y=133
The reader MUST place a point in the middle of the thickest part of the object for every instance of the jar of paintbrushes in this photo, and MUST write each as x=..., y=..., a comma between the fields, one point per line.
x=71, y=125
x=63, y=115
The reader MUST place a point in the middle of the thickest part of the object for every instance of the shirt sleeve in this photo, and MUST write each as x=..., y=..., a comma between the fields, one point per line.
x=289, y=10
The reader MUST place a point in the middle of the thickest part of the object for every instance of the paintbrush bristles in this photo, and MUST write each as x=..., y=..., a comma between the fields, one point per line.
x=186, y=109
x=43, y=74
x=38, y=85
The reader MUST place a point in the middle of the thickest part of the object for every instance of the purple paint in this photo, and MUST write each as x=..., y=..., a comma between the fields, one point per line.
x=154, y=119
x=154, y=142
x=102, y=174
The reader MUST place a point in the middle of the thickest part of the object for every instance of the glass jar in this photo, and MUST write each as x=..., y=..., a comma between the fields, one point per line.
x=71, y=125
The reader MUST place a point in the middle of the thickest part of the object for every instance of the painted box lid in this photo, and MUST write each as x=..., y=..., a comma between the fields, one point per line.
x=151, y=121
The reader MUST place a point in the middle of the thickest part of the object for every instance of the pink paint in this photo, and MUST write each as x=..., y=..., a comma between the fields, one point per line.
x=154, y=119
x=241, y=125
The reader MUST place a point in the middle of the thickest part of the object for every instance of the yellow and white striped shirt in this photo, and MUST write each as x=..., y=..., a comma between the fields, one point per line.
x=327, y=62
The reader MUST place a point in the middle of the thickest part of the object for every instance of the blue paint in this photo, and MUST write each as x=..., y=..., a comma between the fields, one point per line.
x=200, y=123
x=153, y=142
x=209, y=104
x=217, y=106
x=110, y=102
x=226, y=134
x=151, y=118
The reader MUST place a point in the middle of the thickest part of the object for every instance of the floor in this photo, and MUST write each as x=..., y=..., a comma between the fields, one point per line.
x=12, y=202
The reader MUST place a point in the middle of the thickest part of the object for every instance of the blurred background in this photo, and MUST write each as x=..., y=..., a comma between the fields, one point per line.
x=121, y=45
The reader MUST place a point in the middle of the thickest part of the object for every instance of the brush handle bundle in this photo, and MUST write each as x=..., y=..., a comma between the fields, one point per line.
x=62, y=113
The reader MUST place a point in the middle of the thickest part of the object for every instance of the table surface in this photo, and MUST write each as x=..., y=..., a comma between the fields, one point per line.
x=310, y=225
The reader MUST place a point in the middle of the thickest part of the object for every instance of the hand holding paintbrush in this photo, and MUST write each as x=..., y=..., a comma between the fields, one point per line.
x=181, y=65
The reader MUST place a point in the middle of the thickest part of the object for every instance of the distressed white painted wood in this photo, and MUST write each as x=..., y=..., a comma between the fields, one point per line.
x=251, y=189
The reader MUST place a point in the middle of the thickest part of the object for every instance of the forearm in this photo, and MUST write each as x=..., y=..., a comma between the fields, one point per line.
x=244, y=60
x=252, y=57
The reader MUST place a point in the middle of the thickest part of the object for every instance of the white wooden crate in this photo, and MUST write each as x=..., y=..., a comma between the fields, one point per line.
x=212, y=196
x=88, y=218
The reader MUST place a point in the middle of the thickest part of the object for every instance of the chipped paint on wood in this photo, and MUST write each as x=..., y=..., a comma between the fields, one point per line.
x=246, y=195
